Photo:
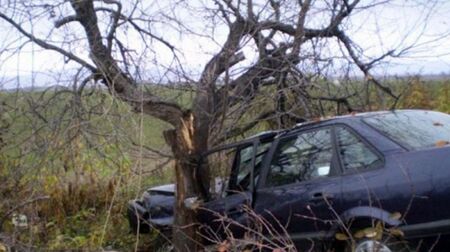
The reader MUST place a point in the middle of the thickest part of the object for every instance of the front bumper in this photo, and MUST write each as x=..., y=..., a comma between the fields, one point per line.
x=138, y=217
x=141, y=220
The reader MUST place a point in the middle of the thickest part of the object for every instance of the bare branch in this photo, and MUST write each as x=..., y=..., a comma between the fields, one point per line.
x=299, y=33
x=362, y=66
x=114, y=24
x=227, y=57
x=66, y=20
x=234, y=132
x=114, y=78
x=47, y=45
x=136, y=26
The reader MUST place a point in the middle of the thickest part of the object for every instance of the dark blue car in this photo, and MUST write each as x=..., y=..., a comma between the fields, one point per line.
x=366, y=182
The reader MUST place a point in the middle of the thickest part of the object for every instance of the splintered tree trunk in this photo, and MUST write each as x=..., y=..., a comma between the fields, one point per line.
x=184, y=232
x=181, y=141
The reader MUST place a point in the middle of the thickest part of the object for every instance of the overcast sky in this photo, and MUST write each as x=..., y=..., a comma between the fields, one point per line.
x=375, y=31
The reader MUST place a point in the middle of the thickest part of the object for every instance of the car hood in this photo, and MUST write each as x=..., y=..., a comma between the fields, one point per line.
x=169, y=189
x=163, y=189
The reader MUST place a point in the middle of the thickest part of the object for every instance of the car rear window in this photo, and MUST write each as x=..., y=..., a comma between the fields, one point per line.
x=414, y=129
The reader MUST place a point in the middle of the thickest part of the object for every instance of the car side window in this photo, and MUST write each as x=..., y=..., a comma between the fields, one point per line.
x=243, y=170
x=244, y=167
x=354, y=153
x=303, y=157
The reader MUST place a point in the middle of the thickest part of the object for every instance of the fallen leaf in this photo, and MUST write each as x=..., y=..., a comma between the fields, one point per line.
x=223, y=247
x=3, y=248
x=359, y=234
x=396, y=232
x=341, y=237
x=441, y=143
x=379, y=229
x=395, y=216
x=370, y=232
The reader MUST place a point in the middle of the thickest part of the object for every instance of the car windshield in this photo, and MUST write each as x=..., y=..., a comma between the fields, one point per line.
x=414, y=129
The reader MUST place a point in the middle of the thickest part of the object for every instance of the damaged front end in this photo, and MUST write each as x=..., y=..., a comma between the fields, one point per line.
x=153, y=211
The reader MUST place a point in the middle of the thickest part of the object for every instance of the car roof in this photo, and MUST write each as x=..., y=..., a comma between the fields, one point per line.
x=315, y=122
x=261, y=136
x=351, y=116
x=347, y=118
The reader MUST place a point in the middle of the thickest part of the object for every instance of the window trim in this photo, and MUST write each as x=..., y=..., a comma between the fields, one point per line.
x=236, y=165
x=367, y=143
x=237, y=158
x=335, y=171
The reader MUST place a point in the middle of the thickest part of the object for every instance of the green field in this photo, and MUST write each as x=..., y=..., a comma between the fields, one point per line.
x=91, y=154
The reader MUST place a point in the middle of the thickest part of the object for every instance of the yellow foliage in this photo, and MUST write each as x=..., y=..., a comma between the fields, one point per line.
x=418, y=96
x=443, y=99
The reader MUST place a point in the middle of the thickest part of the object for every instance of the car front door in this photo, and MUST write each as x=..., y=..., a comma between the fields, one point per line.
x=228, y=210
x=301, y=191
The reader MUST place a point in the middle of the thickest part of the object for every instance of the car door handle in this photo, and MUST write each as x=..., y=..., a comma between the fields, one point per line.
x=320, y=196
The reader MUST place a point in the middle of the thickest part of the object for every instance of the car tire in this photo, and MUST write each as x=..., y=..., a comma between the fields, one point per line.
x=386, y=244
x=369, y=245
x=370, y=235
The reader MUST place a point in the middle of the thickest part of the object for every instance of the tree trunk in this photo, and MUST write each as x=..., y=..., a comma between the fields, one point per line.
x=185, y=228
x=186, y=155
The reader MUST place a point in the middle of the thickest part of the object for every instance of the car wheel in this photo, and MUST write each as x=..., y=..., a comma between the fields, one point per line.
x=375, y=237
x=372, y=246
x=387, y=244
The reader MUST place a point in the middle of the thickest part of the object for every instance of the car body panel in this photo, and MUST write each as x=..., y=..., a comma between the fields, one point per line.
x=413, y=183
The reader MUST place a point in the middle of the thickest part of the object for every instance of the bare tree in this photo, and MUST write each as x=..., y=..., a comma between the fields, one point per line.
x=293, y=45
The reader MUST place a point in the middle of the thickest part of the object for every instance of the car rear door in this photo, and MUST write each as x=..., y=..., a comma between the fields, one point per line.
x=380, y=183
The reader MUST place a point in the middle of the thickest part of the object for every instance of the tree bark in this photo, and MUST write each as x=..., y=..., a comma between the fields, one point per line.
x=185, y=151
